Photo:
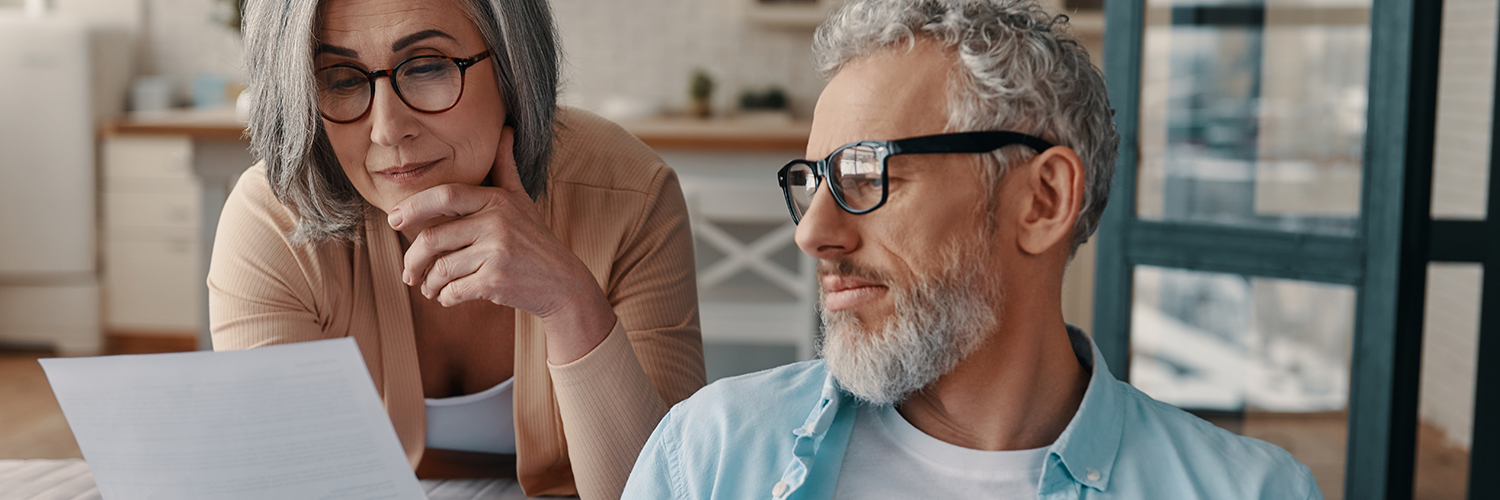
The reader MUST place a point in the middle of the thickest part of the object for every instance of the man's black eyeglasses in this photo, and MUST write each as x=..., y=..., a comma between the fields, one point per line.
x=858, y=169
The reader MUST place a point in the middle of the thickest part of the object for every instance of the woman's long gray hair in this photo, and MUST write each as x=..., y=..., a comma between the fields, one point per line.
x=1017, y=69
x=286, y=130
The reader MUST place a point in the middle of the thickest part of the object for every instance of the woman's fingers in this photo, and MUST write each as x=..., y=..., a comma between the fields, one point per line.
x=432, y=244
x=435, y=204
x=464, y=289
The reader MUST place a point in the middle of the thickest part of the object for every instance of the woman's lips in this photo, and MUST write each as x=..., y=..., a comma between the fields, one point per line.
x=406, y=173
x=840, y=293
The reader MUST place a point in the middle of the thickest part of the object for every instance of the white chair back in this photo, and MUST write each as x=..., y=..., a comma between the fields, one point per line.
x=723, y=210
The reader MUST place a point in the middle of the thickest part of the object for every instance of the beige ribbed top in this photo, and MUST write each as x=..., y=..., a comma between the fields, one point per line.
x=609, y=199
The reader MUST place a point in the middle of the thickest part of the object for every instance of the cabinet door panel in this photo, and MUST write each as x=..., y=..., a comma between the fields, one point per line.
x=124, y=211
x=152, y=283
x=149, y=157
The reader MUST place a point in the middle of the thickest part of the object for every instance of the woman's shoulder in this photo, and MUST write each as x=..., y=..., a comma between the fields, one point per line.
x=256, y=237
x=252, y=202
x=252, y=214
x=590, y=150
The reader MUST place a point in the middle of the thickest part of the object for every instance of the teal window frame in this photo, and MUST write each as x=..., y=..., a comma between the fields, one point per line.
x=1385, y=260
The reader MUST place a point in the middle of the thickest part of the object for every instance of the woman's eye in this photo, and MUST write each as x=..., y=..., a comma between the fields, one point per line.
x=428, y=70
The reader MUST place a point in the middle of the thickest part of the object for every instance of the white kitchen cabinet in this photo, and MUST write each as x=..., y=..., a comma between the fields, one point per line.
x=151, y=236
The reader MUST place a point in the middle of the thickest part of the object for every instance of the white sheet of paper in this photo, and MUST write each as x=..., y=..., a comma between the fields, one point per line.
x=291, y=421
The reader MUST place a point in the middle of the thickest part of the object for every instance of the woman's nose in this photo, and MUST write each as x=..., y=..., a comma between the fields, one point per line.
x=825, y=231
x=392, y=121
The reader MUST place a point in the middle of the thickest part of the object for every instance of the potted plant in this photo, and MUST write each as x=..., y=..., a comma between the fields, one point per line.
x=700, y=91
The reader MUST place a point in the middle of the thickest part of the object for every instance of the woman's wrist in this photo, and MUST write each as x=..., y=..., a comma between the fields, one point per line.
x=576, y=329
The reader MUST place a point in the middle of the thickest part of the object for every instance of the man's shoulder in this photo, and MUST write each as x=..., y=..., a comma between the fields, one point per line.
x=1157, y=435
x=732, y=439
x=786, y=392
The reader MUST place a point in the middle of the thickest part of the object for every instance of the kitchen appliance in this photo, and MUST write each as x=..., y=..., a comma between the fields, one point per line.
x=49, y=276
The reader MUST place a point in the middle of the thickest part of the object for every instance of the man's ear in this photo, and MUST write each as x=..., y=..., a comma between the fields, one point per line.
x=1051, y=185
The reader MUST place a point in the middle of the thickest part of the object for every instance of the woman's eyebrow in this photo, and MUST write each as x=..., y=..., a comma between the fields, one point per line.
x=403, y=43
x=407, y=40
x=324, y=48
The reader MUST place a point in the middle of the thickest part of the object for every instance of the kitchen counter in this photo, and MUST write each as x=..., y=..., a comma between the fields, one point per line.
x=217, y=124
x=720, y=134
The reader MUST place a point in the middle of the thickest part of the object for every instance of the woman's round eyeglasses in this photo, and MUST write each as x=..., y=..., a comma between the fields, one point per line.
x=858, y=170
x=430, y=84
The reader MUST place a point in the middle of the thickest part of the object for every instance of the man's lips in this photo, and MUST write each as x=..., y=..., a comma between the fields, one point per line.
x=406, y=172
x=845, y=292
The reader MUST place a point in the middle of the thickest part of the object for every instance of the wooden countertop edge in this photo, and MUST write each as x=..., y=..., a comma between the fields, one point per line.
x=197, y=132
x=677, y=142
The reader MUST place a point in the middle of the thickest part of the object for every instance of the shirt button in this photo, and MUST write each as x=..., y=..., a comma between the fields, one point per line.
x=779, y=490
x=1093, y=475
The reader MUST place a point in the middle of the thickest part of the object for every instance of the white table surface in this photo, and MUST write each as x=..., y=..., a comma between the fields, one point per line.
x=70, y=480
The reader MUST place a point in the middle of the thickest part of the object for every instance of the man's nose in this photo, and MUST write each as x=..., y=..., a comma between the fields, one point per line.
x=391, y=120
x=825, y=230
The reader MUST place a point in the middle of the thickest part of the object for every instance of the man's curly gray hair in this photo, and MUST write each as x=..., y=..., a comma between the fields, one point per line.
x=1017, y=69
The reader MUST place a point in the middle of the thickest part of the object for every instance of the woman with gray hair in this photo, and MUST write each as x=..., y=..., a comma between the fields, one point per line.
x=518, y=276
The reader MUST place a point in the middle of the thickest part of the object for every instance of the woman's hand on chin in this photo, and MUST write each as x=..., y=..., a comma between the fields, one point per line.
x=489, y=243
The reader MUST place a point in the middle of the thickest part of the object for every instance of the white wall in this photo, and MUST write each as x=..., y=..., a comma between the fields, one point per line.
x=646, y=49
x=642, y=49
x=184, y=39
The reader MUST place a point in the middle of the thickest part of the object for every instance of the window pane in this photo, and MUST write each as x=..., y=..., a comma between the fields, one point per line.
x=1253, y=112
x=1465, y=94
x=1265, y=358
x=1450, y=339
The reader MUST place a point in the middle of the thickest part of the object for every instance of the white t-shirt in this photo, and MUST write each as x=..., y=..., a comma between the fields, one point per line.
x=887, y=457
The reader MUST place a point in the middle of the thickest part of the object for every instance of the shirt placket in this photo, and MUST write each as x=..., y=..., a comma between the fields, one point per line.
x=807, y=439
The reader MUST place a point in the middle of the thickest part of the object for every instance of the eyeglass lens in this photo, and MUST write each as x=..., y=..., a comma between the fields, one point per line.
x=856, y=177
x=427, y=84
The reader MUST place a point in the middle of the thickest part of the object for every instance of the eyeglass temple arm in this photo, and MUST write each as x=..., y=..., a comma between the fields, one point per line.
x=966, y=142
x=465, y=63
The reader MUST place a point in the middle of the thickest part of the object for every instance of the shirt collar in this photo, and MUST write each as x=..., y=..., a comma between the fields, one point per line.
x=1086, y=449
x=1088, y=446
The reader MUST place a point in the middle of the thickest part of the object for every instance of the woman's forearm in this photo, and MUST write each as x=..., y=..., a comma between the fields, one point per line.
x=609, y=407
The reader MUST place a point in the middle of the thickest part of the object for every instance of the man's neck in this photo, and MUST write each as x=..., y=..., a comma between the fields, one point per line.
x=1018, y=391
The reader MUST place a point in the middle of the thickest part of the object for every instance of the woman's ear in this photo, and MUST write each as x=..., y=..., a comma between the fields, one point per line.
x=1052, y=185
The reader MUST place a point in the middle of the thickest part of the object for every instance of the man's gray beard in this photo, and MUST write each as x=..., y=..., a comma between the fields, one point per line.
x=937, y=322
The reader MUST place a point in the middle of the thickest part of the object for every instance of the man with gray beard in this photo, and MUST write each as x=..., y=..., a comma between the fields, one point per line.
x=960, y=153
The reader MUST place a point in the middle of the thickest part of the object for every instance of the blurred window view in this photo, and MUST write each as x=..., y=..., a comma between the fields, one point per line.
x=1253, y=112
x=1252, y=123
x=1266, y=358
x=1229, y=343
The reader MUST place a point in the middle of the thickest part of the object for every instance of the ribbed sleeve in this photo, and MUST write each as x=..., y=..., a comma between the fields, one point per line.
x=609, y=408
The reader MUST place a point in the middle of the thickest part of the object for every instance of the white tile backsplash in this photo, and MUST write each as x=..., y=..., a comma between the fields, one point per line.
x=646, y=50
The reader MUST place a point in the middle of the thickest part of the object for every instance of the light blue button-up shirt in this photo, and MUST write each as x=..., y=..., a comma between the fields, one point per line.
x=753, y=437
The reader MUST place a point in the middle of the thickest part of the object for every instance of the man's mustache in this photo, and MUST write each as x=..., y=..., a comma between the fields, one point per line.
x=850, y=269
